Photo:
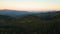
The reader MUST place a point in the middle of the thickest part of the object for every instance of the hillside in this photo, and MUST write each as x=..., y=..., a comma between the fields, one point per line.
x=42, y=23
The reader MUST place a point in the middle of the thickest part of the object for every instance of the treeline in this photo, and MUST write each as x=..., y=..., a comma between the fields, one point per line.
x=43, y=23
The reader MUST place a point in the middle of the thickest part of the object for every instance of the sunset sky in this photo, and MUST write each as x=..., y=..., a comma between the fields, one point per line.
x=30, y=4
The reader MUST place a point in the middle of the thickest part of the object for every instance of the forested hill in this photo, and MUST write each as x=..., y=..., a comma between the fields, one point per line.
x=49, y=21
x=33, y=17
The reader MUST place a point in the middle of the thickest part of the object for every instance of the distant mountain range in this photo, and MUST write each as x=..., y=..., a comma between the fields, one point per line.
x=14, y=12
x=17, y=13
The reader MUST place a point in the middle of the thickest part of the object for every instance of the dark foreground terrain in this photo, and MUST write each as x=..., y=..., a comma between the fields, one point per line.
x=42, y=23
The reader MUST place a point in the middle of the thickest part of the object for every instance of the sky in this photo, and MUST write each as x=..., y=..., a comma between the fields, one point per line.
x=30, y=4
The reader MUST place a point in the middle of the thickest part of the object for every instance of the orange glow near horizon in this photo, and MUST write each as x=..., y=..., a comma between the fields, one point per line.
x=21, y=8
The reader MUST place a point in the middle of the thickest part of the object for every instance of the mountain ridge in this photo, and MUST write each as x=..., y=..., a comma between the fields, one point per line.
x=13, y=12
